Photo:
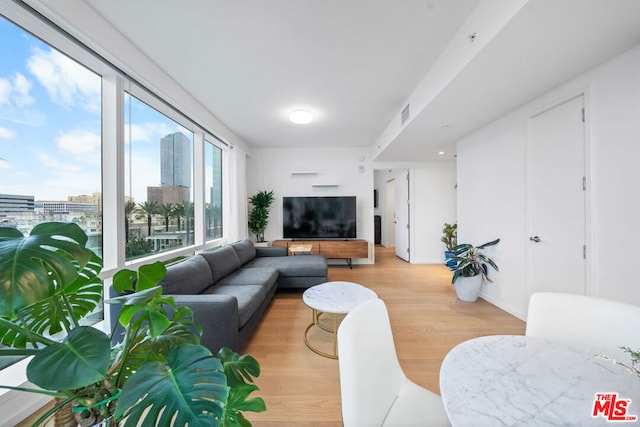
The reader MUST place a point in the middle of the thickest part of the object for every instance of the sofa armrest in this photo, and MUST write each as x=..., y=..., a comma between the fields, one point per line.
x=218, y=317
x=271, y=251
x=216, y=314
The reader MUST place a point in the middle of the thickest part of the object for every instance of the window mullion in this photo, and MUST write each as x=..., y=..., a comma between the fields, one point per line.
x=199, y=188
x=113, y=172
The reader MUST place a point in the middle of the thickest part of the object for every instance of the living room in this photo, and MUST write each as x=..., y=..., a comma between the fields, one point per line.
x=486, y=187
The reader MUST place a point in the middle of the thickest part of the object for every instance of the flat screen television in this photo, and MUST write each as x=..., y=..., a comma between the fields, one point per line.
x=319, y=217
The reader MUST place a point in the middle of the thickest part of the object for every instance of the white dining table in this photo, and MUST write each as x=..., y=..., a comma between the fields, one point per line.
x=512, y=380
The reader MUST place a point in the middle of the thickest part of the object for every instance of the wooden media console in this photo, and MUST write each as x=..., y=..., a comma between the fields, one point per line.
x=332, y=249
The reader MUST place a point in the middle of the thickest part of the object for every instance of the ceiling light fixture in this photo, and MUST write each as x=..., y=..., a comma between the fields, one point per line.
x=300, y=117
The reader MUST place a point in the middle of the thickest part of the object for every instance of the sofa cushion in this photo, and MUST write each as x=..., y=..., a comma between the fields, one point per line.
x=191, y=276
x=222, y=261
x=293, y=266
x=265, y=277
x=245, y=250
x=249, y=299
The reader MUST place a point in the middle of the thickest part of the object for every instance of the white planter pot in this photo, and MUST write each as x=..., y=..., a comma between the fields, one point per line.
x=261, y=244
x=468, y=288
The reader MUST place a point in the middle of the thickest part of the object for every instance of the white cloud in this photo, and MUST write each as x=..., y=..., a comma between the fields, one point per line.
x=67, y=82
x=147, y=132
x=15, y=100
x=5, y=91
x=4, y=164
x=6, y=133
x=79, y=142
x=63, y=183
x=21, y=88
x=51, y=162
x=146, y=173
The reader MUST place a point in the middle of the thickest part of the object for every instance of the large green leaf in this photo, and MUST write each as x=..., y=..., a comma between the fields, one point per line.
x=239, y=401
x=146, y=277
x=190, y=388
x=33, y=267
x=50, y=315
x=239, y=369
x=145, y=306
x=81, y=359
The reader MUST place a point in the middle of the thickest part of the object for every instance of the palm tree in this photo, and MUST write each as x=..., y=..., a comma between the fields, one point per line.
x=213, y=214
x=187, y=209
x=177, y=212
x=149, y=209
x=129, y=208
x=166, y=209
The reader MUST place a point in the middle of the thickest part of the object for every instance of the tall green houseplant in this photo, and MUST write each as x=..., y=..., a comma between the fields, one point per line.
x=158, y=372
x=259, y=214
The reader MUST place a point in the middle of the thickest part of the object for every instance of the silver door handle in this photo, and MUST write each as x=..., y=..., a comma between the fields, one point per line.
x=535, y=239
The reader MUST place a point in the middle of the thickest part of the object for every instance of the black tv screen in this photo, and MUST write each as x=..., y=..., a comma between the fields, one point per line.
x=319, y=217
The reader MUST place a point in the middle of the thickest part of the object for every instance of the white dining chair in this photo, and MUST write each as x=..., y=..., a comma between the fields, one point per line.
x=375, y=391
x=598, y=324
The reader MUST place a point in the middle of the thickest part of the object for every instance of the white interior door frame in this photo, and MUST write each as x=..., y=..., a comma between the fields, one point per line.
x=389, y=235
x=403, y=215
x=589, y=250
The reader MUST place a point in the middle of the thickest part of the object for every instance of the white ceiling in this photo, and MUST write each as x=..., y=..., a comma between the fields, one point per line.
x=354, y=63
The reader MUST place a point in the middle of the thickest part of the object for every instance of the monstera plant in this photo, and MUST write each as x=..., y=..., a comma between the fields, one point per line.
x=158, y=374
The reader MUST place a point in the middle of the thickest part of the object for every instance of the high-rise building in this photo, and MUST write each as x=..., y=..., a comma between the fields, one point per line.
x=175, y=161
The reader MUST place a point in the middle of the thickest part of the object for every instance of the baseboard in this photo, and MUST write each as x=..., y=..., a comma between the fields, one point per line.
x=514, y=312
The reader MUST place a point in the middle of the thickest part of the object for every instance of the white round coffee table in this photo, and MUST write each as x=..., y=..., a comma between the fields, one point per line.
x=334, y=298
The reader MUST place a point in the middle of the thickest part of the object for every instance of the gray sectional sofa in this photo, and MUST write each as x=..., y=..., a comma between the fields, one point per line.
x=230, y=287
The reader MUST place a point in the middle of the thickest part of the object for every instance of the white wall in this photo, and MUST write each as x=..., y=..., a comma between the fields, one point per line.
x=349, y=168
x=492, y=186
x=433, y=198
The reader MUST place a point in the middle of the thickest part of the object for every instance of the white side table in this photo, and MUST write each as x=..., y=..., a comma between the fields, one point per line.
x=334, y=298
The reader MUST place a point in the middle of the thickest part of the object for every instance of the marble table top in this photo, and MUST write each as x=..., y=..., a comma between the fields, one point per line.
x=336, y=297
x=510, y=380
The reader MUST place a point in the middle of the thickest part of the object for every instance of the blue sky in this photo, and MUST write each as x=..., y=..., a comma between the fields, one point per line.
x=50, y=131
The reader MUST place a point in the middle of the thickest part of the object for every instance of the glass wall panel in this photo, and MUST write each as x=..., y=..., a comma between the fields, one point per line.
x=158, y=181
x=213, y=191
x=50, y=138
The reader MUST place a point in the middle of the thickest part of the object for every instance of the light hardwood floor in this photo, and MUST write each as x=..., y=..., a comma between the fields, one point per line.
x=302, y=389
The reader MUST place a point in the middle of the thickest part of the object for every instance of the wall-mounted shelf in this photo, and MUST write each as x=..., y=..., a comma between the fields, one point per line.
x=325, y=185
x=304, y=173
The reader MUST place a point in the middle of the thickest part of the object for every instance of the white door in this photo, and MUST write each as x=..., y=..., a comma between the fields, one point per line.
x=557, y=183
x=389, y=237
x=402, y=215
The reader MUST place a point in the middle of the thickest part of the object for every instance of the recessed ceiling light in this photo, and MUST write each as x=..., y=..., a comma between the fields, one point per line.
x=301, y=117
x=440, y=153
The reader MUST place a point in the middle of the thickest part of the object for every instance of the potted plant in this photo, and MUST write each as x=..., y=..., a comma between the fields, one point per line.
x=49, y=282
x=259, y=215
x=450, y=240
x=471, y=269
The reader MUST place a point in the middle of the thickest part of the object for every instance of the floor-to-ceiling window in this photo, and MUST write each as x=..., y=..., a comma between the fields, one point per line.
x=50, y=136
x=50, y=139
x=158, y=181
x=213, y=190
x=53, y=139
